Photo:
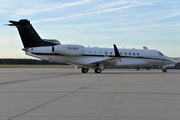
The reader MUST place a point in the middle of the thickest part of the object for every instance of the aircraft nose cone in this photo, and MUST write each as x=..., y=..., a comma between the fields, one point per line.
x=174, y=61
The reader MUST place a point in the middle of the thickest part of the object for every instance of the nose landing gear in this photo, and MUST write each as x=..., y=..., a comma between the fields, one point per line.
x=164, y=70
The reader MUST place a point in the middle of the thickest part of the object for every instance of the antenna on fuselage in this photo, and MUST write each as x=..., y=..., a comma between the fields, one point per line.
x=145, y=48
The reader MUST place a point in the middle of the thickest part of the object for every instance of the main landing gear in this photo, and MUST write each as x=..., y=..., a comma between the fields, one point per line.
x=84, y=70
x=148, y=67
x=96, y=70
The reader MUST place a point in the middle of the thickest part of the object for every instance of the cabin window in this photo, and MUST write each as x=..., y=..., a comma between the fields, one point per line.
x=120, y=53
x=106, y=53
x=100, y=52
x=129, y=53
x=133, y=53
x=90, y=52
x=125, y=53
x=111, y=53
x=95, y=52
x=137, y=53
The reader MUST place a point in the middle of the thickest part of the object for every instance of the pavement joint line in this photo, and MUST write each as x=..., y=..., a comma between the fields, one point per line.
x=58, y=97
x=17, y=81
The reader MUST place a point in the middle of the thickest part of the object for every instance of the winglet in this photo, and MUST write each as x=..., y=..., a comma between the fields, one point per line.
x=116, y=51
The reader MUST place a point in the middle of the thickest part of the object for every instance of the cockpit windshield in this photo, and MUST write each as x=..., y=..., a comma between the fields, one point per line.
x=161, y=54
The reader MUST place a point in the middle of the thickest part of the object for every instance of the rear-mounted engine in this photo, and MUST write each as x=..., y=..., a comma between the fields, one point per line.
x=69, y=49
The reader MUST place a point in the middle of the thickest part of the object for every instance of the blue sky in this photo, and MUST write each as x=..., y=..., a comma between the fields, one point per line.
x=101, y=23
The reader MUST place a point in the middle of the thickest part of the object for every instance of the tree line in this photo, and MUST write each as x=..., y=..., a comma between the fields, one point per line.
x=12, y=61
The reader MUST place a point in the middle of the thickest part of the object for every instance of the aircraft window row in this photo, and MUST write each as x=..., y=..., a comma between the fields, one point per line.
x=130, y=54
x=96, y=52
x=121, y=53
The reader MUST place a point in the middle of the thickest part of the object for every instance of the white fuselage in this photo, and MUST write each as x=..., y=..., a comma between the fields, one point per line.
x=92, y=56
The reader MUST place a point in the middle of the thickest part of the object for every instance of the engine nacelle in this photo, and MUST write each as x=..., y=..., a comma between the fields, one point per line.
x=69, y=49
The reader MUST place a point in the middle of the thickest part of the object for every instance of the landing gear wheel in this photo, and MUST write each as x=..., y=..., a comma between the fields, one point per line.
x=84, y=70
x=97, y=70
x=164, y=70
x=137, y=68
x=148, y=68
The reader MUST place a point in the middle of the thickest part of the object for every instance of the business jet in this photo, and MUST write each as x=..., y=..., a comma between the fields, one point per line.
x=86, y=57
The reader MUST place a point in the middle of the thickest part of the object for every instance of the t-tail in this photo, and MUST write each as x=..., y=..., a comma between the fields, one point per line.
x=29, y=36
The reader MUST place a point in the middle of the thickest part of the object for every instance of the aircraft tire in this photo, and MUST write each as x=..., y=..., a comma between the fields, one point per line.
x=137, y=68
x=164, y=70
x=148, y=68
x=97, y=70
x=84, y=70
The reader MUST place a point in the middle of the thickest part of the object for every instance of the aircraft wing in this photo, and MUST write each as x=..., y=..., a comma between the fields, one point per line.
x=95, y=61
x=107, y=62
x=112, y=60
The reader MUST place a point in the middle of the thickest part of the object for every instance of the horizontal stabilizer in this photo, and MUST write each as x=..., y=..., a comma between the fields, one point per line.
x=37, y=56
x=20, y=23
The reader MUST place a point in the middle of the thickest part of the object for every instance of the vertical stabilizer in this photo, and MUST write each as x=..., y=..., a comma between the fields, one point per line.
x=29, y=36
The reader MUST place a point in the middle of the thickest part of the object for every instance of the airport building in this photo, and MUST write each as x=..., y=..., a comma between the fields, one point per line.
x=177, y=59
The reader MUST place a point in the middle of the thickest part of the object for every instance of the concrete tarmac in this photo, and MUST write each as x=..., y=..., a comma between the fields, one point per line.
x=67, y=94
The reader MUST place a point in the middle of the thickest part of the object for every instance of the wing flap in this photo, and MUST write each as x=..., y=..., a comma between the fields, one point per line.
x=108, y=61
